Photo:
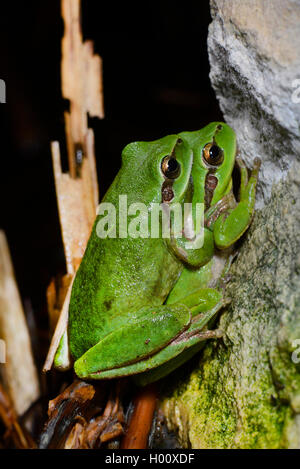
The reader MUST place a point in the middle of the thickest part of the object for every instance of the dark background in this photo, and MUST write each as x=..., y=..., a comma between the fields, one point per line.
x=156, y=82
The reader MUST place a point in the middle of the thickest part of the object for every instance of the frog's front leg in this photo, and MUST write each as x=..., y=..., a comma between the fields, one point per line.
x=193, y=257
x=233, y=222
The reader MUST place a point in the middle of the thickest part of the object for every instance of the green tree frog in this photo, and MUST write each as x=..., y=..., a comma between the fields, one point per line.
x=141, y=306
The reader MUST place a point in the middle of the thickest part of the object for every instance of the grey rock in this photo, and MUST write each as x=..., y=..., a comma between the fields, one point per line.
x=254, y=52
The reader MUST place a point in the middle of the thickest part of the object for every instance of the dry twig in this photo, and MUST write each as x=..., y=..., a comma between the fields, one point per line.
x=77, y=419
x=140, y=423
x=18, y=373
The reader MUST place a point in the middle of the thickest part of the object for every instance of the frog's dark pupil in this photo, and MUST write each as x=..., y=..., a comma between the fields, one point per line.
x=172, y=165
x=214, y=152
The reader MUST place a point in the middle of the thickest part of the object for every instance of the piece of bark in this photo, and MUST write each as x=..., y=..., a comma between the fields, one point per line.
x=78, y=419
x=56, y=293
x=81, y=79
x=63, y=413
x=96, y=430
x=76, y=200
x=75, y=438
x=77, y=192
x=18, y=373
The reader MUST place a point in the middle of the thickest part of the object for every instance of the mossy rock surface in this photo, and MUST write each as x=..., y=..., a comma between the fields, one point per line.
x=243, y=391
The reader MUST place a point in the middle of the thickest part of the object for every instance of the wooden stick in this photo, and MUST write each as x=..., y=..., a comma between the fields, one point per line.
x=76, y=191
x=56, y=298
x=140, y=423
x=81, y=79
x=18, y=373
x=77, y=210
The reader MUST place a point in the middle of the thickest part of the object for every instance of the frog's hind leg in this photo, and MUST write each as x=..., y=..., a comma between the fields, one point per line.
x=144, y=334
x=178, y=351
x=190, y=342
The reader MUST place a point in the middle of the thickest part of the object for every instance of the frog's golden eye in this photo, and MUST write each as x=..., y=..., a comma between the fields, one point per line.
x=212, y=154
x=170, y=167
